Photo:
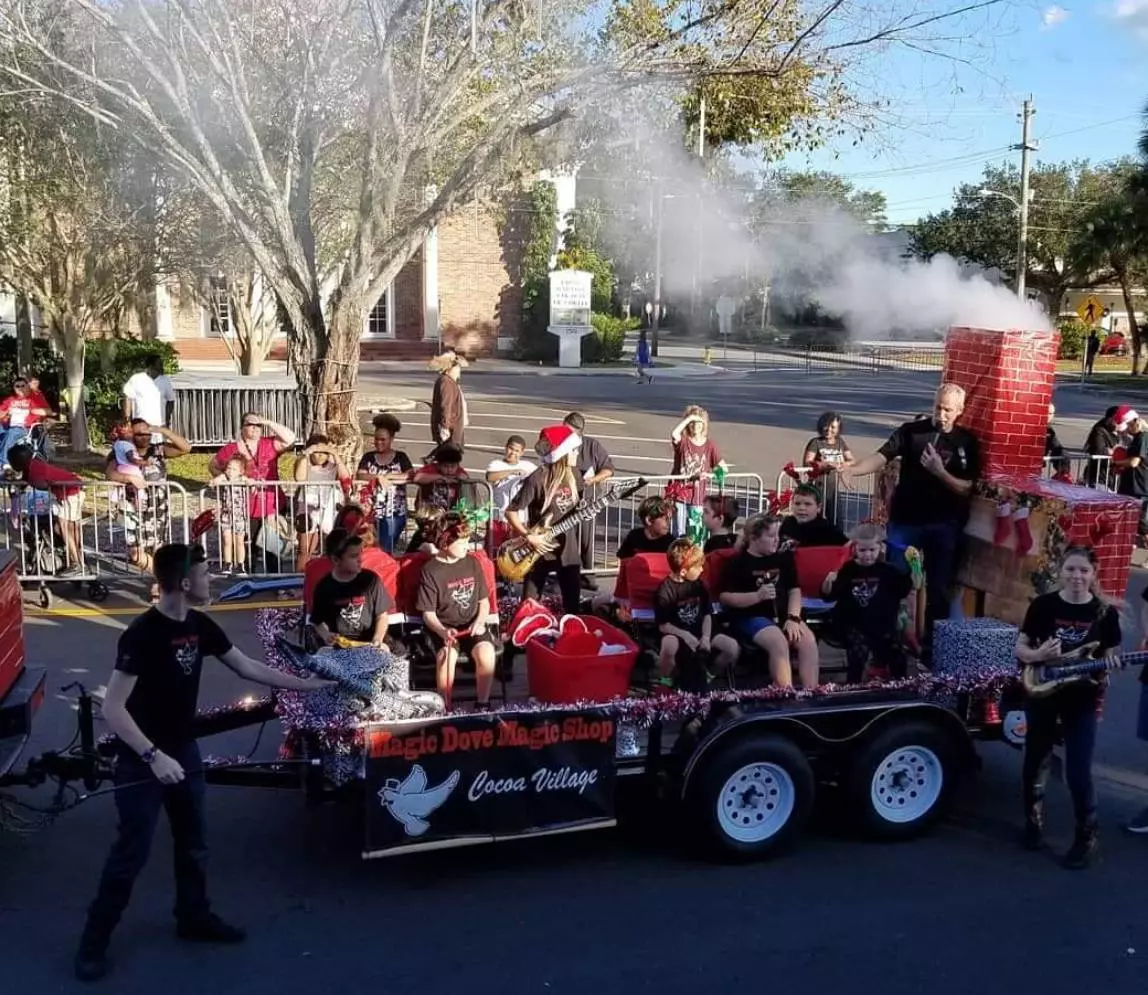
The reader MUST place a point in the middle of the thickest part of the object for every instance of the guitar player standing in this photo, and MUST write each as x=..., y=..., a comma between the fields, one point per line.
x=549, y=493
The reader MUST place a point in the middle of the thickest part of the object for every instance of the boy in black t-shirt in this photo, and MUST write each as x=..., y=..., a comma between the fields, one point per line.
x=653, y=535
x=760, y=583
x=684, y=617
x=455, y=603
x=867, y=593
x=806, y=526
x=150, y=706
x=719, y=516
x=349, y=602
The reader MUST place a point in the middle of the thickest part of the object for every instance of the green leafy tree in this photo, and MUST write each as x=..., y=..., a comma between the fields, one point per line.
x=787, y=187
x=983, y=227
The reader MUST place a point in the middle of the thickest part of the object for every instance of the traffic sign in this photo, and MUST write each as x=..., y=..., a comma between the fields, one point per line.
x=1090, y=310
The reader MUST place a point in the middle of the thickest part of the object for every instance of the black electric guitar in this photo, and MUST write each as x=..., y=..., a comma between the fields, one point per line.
x=1042, y=679
x=516, y=557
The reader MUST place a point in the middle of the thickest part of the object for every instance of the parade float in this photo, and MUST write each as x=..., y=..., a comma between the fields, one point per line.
x=741, y=768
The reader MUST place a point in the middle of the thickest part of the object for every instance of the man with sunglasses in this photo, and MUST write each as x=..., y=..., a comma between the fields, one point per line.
x=19, y=412
x=260, y=444
x=150, y=706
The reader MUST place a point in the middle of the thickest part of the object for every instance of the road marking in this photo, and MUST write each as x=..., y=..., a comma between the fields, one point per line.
x=129, y=610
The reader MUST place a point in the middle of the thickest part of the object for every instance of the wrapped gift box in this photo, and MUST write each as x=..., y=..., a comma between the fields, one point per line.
x=1061, y=515
x=977, y=648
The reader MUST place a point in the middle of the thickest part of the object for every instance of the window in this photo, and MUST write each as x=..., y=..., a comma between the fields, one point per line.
x=377, y=319
x=220, y=306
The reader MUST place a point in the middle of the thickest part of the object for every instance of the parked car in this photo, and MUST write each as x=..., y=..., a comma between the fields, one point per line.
x=1114, y=345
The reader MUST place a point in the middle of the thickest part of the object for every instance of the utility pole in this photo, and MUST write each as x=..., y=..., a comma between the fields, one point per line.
x=656, y=318
x=1026, y=146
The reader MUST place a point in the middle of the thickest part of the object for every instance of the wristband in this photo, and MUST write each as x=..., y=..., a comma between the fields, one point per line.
x=793, y=618
x=148, y=755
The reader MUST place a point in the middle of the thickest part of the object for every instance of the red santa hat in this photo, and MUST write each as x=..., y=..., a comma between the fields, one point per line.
x=557, y=442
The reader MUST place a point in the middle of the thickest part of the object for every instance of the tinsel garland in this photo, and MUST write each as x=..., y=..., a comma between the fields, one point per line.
x=341, y=731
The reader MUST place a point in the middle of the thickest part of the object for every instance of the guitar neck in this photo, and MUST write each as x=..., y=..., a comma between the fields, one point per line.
x=579, y=515
x=1116, y=661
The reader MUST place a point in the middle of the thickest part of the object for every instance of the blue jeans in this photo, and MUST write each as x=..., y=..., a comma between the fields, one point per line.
x=138, y=803
x=389, y=530
x=11, y=437
x=938, y=546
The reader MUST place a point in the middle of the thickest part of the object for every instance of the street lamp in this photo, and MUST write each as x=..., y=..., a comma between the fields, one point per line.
x=1022, y=237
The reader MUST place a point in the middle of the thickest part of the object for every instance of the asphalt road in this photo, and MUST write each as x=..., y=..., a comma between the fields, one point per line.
x=612, y=912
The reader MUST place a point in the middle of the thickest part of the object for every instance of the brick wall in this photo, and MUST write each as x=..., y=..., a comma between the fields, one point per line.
x=479, y=302
x=1007, y=377
x=408, y=291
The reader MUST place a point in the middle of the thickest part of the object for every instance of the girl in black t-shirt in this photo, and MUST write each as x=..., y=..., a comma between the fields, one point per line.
x=454, y=600
x=1055, y=624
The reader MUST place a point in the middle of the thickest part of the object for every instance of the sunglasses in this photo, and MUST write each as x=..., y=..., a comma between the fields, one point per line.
x=20, y=383
x=252, y=424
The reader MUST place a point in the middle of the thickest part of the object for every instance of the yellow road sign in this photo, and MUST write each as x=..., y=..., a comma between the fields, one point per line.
x=1090, y=310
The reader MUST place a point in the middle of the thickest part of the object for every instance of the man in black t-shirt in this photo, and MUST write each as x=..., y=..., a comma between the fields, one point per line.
x=939, y=462
x=150, y=706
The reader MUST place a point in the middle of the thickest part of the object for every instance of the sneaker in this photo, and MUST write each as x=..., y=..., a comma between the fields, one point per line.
x=91, y=961
x=241, y=572
x=210, y=930
x=589, y=582
x=70, y=572
x=1083, y=850
x=1138, y=824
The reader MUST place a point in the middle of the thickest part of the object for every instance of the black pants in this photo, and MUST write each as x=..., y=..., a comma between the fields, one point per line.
x=1074, y=708
x=138, y=807
x=885, y=648
x=569, y=582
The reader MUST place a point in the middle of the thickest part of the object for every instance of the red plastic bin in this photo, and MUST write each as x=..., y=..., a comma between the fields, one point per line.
x=561, y=679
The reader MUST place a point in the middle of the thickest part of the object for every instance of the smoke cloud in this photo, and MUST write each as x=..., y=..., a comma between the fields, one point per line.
x=741, y=241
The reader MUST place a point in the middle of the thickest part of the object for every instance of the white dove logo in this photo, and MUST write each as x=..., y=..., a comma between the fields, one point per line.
x=411, y=801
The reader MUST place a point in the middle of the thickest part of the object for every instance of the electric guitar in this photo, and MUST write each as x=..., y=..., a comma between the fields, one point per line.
x=1042, y=679
x=516, y=557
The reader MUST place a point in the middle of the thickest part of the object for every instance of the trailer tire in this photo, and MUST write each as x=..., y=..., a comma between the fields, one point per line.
x=751, y=799
x=901, y=782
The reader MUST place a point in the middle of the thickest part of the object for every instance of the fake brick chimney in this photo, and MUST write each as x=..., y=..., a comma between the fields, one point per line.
x=1007, y=377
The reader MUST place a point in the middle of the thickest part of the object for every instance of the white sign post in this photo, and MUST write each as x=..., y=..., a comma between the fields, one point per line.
x=569, y=313
x=725, y=310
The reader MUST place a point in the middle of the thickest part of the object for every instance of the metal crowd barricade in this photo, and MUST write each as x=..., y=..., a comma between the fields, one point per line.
x=272, y=528
x=88, y=532
x=1081, y=468
x=610, y=527
x=845, y=504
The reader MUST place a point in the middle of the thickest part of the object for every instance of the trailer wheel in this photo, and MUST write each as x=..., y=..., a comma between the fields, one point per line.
x=98, y=591
x=46, y=599
x=751, y=799
x=902, y=780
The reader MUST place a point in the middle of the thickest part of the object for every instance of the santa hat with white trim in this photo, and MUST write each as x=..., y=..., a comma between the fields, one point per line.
x=557, y=442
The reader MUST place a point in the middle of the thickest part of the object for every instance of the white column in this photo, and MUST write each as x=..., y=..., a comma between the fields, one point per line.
x=163, y=320
x=430, y=279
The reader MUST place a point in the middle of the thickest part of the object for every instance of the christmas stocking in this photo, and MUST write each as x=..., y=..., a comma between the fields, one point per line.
x=1004, y=523
x=1024, y=541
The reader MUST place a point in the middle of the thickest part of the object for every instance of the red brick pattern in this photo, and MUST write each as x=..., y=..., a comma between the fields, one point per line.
x=1007, y=377
x=1104, y=521
x=408, y=308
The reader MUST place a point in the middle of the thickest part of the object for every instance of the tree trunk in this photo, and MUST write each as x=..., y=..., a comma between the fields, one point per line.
x=74, y=346
x=23, y=335
x=336, y=373
x=250, y=359
x=1133, y=326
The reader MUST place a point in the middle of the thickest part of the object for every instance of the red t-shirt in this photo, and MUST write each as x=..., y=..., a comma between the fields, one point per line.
x=691, y=459
x=43, y=476
x=16, y=412
x=262, y=465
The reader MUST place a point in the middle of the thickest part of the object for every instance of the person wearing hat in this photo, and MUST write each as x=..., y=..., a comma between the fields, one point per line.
x=449, y=417
x=150, y=707
x=1132, y=464
x=1102, y=440
x=548, y=494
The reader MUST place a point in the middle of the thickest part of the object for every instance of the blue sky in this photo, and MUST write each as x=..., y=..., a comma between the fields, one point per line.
x=1085, y=66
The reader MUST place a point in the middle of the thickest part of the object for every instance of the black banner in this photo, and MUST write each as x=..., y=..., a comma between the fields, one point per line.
x=482, y=777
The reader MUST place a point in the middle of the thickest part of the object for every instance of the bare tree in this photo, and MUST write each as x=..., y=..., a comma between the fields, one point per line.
x=332, y=135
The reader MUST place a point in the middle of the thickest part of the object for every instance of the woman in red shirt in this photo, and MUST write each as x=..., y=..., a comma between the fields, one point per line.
x=695, y=456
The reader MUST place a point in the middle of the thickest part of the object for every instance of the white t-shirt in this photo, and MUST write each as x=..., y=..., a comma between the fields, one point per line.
x=149, y=397
x=506, y=489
